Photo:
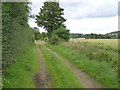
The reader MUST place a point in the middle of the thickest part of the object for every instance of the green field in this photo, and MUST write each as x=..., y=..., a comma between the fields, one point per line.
x=98, y=58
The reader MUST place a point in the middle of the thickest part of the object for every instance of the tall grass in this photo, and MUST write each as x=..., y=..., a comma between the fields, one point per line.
x=20, y=74
x=98, y=49
x=60, y=75
x=107, y=42
x=100, y=71
x=1, y=81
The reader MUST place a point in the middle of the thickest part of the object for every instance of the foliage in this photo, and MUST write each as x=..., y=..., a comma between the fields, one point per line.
x=17, y=51
x=76, y=35
x=59, y=35
x=62, y=33
x=46, y=39
x=54, y=39
x=60, y=75
x=50, y=17
x=44, y=36
x=94, y=36
x=17, y=35
x=36, y=33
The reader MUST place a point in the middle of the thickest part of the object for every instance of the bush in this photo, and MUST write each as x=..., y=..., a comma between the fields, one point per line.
x=54, y=39
x=62, y=33
x=46, y=39
x=36, y=33
x=33, y=39
x=43, y=36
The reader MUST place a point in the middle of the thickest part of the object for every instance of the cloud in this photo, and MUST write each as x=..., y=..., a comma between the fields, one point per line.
x=93, y=25
x=32, y=24
x=78, y=9
x=85, y=16
x=36, y=5
x=99, y=12
x=83, y=8
x=119, y=8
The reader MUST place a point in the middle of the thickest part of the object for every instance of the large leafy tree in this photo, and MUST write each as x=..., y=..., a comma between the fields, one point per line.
x=50, y=17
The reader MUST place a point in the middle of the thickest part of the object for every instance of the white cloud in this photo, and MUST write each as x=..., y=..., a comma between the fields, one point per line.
x=32, y=24
x=93, y=25
x=89, y=8
x=85, y=16
x=36, y=5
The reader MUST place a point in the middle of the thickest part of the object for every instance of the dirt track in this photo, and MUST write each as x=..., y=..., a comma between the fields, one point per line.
x=83, y=78
x=41, y=79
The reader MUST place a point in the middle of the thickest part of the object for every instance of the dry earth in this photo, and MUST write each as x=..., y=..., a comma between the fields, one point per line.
x=41, y=79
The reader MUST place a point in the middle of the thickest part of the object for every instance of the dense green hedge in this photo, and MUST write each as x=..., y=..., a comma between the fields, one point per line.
x=15, y=31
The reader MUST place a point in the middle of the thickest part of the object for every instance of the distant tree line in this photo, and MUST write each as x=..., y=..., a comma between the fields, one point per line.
x=94, y=36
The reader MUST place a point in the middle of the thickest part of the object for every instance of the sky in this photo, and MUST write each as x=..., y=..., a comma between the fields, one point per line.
x=84, y=16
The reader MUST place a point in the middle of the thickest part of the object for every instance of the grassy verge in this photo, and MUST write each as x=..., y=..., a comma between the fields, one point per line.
x=0, y=81
x=100, y=71
x=20, y=75
x=60, y=75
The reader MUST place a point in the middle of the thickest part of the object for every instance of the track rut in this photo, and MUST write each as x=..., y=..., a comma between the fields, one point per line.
x=83, y=78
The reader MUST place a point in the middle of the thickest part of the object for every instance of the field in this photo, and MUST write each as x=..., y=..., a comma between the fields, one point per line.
x=113, y=43
x=98, y=49
x=97, y=57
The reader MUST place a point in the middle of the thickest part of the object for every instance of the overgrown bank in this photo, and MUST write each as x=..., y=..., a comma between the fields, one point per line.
x=17, y=35
x=100, y=71
x=20, y=75
x=17, y=46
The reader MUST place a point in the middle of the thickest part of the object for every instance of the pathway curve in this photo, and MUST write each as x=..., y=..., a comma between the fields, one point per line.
x=83, y=78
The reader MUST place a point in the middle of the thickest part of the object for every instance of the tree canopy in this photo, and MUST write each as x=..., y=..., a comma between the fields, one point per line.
x=50, y=17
